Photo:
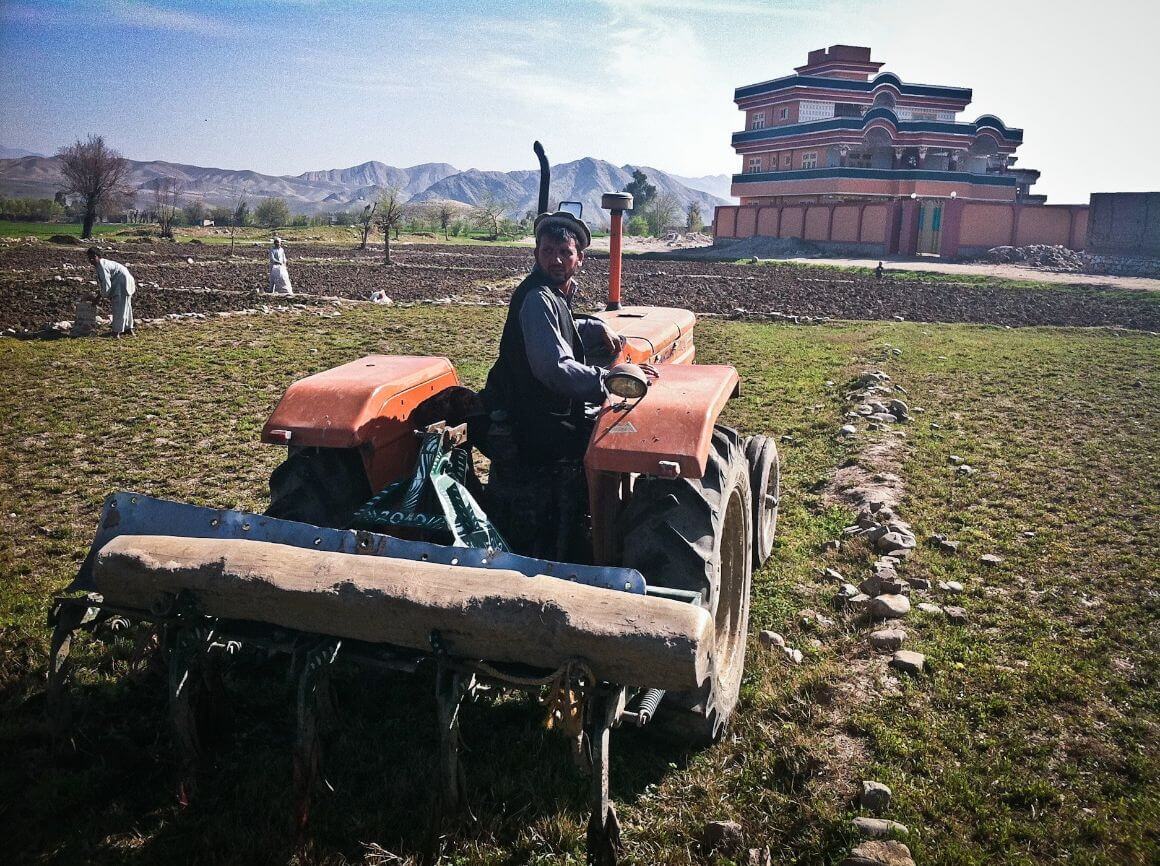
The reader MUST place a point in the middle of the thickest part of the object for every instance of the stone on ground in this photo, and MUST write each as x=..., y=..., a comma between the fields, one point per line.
x=908, y=661
x=990, y=559
x=770, y=639
x=928, y=607
x=887, y=639
x=722, y=837
x=889, y=606
x=878, y=827
x=879, y=853
x=893, y=541
x=956, y=615
x=875, y=797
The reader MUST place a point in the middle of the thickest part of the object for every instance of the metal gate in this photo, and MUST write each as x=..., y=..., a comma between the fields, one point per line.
x=929, y=227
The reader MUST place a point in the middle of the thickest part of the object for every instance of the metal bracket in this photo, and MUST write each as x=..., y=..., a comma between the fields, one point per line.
x=603, y=840
x=189, y=672
x=66, y=616
x=315, y=712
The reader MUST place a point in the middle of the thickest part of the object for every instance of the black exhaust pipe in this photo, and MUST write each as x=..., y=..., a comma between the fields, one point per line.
x=545, y=176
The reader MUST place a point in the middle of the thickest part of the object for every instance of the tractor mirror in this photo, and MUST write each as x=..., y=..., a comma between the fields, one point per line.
x=576, y=208
x=626, y=381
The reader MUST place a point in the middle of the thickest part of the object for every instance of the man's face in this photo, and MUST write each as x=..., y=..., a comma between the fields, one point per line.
x=559, y=260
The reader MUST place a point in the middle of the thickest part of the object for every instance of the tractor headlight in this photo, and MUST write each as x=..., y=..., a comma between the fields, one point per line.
x=626, y=381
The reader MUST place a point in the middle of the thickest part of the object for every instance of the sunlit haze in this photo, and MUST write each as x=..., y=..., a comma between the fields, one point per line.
x=286, y=86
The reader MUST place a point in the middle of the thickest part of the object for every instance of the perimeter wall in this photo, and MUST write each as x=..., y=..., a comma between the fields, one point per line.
x=891, y=227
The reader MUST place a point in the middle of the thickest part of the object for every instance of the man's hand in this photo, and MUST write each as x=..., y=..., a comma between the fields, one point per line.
x=613, y=342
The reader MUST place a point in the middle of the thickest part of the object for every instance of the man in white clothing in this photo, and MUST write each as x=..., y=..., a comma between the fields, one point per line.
x=116, y=283
x=279, y=276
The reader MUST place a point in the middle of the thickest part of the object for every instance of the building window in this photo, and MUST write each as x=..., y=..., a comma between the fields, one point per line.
x=754, y=165
x=858, y=159
x=846, y=109
x=786, y=160
x=758, y=120
x=810, y=159
x=812, y=109
x=783, y=114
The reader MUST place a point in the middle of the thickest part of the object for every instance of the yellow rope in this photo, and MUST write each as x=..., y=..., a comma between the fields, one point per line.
x=567, y=688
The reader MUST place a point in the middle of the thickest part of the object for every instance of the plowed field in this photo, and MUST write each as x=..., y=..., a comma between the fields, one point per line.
x=40, y=284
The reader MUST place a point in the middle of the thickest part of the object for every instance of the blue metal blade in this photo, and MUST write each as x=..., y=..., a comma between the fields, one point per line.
x=137, y=514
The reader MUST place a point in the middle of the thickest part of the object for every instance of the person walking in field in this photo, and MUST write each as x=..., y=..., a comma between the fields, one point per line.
x=279, y=276
x=116, y=283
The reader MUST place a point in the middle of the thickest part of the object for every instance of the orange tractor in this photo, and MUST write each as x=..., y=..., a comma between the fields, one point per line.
x=378, y=547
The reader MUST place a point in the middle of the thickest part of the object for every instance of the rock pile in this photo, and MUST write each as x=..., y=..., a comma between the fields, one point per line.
x=1043, y=256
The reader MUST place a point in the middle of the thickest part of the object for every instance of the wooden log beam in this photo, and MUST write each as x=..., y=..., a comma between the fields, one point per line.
x=480, y=614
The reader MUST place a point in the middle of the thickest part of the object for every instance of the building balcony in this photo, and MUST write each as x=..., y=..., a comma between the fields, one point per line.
x=852, y=182
x=965, y=177
x=852, y=129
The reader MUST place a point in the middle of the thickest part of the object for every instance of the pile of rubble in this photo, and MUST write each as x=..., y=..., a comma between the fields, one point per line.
x=1043, y=256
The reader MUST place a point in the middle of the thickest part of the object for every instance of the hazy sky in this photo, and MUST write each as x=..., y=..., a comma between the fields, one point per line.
x=285, y=86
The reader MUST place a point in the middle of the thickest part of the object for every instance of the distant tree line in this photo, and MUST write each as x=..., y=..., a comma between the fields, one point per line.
x=95, y=188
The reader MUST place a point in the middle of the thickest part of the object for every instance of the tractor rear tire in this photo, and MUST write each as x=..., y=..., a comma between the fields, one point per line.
x=765, y=484
x=320, y=486
x=696, y=534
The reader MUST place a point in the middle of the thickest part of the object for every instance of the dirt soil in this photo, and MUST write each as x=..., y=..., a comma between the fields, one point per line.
x=41, y=282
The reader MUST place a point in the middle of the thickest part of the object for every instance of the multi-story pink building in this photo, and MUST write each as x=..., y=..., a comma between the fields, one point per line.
x=838, y=131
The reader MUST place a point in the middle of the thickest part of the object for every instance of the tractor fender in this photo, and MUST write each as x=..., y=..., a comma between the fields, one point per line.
x=671, y=424
x=365, y=405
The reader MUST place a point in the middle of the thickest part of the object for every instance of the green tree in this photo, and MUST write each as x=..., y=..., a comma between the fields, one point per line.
x=641, y=190
x=693, y=220
x=194, y=212
x=241, y=212
x=272, y=213
x=637, y=226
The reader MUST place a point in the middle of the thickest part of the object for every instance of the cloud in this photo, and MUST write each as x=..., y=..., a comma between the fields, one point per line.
x=137, y=14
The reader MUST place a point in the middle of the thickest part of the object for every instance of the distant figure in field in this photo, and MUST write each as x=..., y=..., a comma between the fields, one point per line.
x=116, y=283
x=279, y=276
x=879, y=271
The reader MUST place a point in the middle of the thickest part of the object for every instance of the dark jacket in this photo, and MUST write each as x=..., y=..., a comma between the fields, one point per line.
x=545, y=424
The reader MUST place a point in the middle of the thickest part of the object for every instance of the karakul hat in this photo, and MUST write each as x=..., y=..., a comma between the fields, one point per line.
x=563, y=218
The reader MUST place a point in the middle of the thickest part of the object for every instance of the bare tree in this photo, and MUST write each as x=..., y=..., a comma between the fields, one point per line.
x=488, y=213
x=444, y=212
x=389, y=218
x=661, y=212
x=240, y=215
x=166, y=192
x=95, y=172
x=366, y=220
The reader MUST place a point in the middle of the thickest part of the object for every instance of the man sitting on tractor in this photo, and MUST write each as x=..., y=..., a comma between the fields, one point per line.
x=537, y=391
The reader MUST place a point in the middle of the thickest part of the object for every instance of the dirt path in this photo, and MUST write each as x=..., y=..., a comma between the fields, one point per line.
x=1010, y=272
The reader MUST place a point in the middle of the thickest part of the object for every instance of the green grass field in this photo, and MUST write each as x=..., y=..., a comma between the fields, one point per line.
x=11, y=229
x=1032, y=739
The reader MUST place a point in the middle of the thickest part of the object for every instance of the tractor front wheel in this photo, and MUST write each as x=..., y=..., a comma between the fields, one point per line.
x=696, y=534
x=765, y=482
x=320, y=486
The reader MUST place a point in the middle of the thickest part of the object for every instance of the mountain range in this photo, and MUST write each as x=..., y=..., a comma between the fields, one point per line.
x=583, y=180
